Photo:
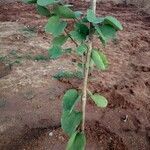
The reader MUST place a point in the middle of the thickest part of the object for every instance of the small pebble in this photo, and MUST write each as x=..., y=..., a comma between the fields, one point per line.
x=50, y=134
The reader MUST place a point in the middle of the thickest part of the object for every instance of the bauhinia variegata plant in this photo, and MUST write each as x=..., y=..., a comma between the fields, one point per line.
x=85, y=27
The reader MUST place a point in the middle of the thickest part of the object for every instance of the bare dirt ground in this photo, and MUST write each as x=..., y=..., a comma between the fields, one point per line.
x=30, y=99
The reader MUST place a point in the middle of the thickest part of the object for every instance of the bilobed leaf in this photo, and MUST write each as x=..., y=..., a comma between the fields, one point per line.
x=81, y=49
x=99, y=100
x=99, y=60
x=43, y=11
x=30, y=1
x=106, y=33
x=70, y=121
x=55, y=26
x=114, y=22
x=92, y=18
x=77, y=141
x=46, y=2
x=65, y=12
x=55, y=52
x=60, y=40
x=69, y=99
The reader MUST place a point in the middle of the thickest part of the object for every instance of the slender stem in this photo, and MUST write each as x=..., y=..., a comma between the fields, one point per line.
x=86, y=73
x=71, y=38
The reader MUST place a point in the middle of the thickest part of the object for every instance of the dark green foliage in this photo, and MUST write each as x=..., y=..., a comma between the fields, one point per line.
x=92, y=18
x=106, y=33
x=43, y=11
x=55, y=52
x=99, y=100
x=64, y=12
x=30, y=1
x=114, y=22
x=46, y=2
x=77, y=141
x=81, y=49
x=80, y=32
x=70, y=121
x=99, y=59
x=55, y=26
x=68, y=74
x=60, y=40
x=69, y=99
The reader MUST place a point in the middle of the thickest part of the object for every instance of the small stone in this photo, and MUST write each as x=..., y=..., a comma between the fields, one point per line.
x=61, y=138
x=50, y=134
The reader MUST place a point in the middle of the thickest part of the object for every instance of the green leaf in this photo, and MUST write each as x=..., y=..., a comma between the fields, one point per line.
x=92, y=18
x=104, y=59
x=99, y=100
x=69, y=99
x=80, y=33
x=78, y=74
x=99, y=60
x=46, y=2
x=82, y=29
x=114, y=22
x=55, y=26
x=68, y=74
x=43, y=11
x=63, y=74
x=77, y=36
x=102, y=37
x=60, y=40
x=106, y=33
x=55, y=52
x=81, y=49
x=84, y=20
x=65, y=12
x=77, y=141
x=78, y=14
x=71, y=140
x=30, y=1
x=70, y=121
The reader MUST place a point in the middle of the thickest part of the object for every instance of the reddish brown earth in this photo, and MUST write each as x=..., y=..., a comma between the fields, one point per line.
x=30, y=100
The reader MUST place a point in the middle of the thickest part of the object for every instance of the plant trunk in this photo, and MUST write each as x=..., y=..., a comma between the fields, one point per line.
x=86, y=71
